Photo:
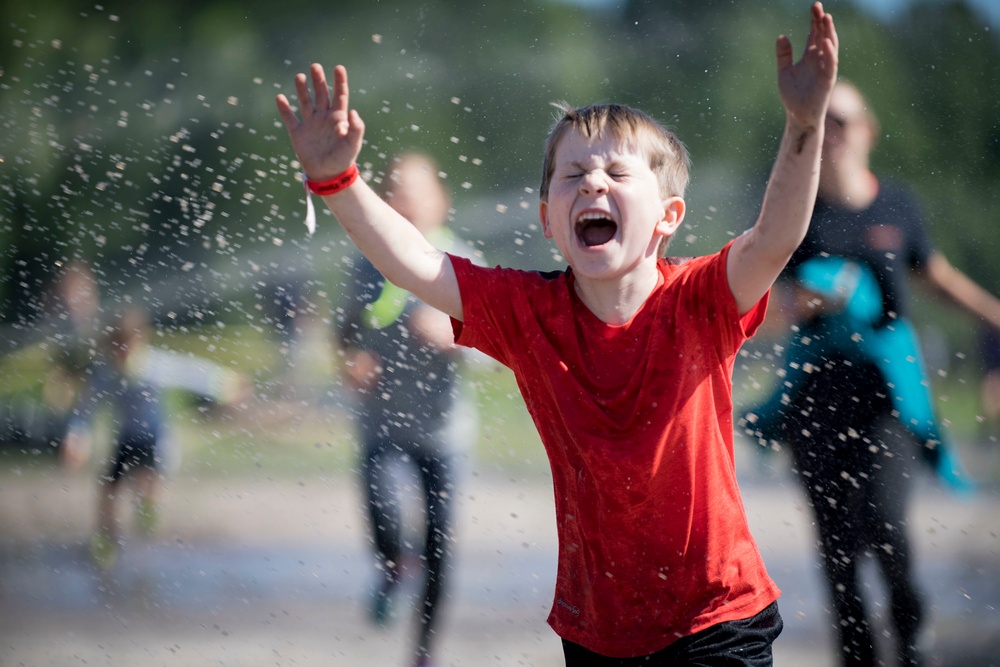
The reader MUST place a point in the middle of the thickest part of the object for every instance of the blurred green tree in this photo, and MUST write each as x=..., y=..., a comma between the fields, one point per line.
x=143, y=138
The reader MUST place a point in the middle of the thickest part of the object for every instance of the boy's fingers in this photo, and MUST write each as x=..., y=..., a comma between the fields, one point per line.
x=818, y=28
x=823, y=24
x=357, y=126
x=302, y=91
x=341, y=92
x=285, y=111
x=783, y=51
x=320, y=90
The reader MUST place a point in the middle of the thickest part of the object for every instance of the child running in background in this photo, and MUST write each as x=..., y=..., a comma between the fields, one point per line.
x=402, y=361
x=624, y=360
x=130, y=380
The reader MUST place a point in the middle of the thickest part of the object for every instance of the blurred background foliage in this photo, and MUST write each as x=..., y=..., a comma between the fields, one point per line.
x=142, y=137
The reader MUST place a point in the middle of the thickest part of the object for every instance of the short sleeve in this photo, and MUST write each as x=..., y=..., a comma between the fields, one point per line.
x=711, y=302
x=486, y=313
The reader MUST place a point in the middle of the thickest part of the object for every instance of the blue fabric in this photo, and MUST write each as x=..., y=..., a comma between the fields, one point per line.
x=852, y=333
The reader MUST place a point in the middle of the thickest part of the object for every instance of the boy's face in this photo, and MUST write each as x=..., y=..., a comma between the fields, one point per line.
x=604, y=210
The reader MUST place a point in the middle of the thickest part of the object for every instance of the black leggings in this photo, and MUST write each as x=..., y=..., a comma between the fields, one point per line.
x=133, y=452
x=855, y=462
x=858, y=489
x=743, y=643
x=437, y=479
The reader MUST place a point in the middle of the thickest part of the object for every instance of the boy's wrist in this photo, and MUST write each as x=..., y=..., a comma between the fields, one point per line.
x=803, y=132
x=793, y=122
x=334, y=184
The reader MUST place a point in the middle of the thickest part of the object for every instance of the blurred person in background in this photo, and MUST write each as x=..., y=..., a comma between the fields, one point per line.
x=65, y=338
x=76, y=319
x=400, y=357
x=854, y=402
x=129, y=378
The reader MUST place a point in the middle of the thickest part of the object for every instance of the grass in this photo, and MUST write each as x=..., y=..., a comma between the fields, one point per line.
x=287, y=438
x=278, y=437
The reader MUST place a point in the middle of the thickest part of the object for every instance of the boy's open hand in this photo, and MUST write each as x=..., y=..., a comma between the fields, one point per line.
x=805, y=85
x=327, y=139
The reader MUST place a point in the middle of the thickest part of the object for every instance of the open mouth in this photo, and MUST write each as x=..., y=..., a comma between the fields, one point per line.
x=595, y=229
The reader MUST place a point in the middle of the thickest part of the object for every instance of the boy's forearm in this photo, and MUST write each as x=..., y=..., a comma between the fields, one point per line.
x=394, y=246
x=759, y=256
x=791, y=192
x=379, y=232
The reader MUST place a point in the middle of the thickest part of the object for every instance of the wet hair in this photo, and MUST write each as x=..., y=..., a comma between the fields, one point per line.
x=668, y=158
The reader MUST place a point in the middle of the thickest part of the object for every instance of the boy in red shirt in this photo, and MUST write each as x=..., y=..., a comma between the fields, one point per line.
x=624, y=360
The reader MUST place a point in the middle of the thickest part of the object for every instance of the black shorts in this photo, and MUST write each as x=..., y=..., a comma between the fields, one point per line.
x=743, y=643
x=134, y=452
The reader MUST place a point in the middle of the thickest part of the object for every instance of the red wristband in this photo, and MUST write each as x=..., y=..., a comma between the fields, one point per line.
x=332, y=186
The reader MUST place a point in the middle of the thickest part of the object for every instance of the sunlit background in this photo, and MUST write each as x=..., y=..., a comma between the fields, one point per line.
x=142, y=140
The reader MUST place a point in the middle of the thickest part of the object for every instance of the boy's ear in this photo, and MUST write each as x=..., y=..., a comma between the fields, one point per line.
x=673, y=215
x=543, y=216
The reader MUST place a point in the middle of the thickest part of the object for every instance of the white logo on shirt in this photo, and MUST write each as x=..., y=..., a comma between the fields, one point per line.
x=565, y=605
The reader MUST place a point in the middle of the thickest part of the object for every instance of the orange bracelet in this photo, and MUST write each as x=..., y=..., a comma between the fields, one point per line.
x=332, y=186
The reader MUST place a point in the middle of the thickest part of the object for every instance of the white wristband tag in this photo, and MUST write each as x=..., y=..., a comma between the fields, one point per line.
x=310, y=209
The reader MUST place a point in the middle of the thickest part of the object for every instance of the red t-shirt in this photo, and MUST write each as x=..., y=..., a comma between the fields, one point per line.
x=637, y=423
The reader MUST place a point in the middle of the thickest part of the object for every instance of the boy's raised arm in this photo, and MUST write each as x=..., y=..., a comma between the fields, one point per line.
x=760, y=254
x=327, y=139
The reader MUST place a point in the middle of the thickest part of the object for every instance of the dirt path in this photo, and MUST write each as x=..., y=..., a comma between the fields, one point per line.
x=262, y=571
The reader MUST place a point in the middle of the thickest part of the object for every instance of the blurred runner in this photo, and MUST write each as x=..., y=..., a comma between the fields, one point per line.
x=854, y=400
x=401, y=358
x=129, y=380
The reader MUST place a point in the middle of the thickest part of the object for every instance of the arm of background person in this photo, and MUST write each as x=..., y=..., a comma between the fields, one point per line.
x=946, y=279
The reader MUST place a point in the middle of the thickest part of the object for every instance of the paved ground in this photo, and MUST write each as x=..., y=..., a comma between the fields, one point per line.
x=275, y=572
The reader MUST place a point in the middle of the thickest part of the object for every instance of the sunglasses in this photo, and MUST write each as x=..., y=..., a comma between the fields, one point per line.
x=839, y=121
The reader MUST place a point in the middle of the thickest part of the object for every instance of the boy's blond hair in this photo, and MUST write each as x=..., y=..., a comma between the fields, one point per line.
x=668, y=158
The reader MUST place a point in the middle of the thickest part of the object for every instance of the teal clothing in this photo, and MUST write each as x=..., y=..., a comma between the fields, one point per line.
x=855, y=410
x=862, y=260
x=853, y=335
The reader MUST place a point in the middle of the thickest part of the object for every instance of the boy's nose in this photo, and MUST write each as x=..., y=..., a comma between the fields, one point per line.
x=594, y=182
